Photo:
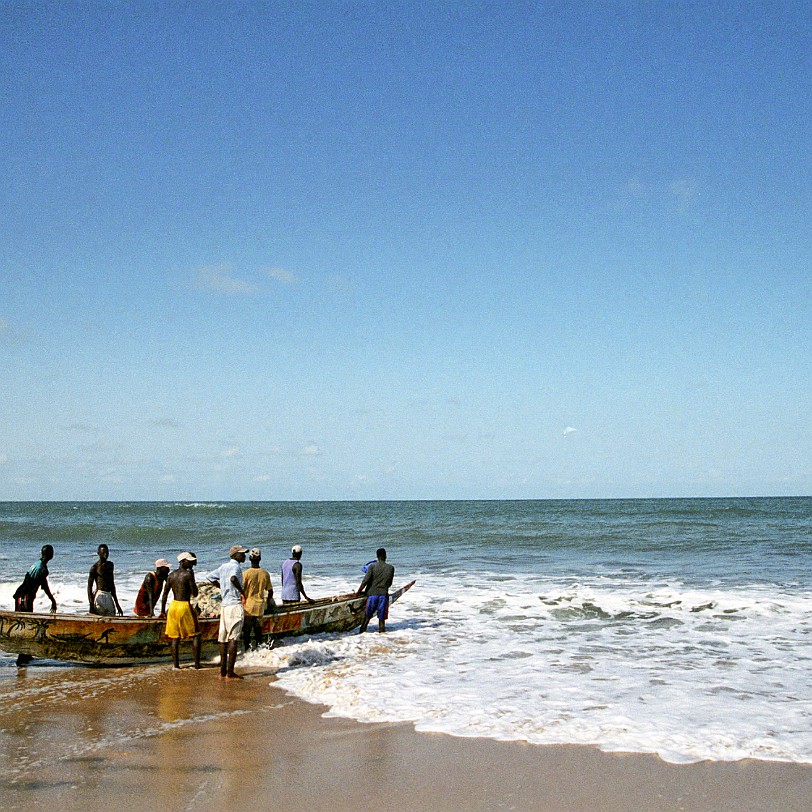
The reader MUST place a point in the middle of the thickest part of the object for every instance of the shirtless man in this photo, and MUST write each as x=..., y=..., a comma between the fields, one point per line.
x=101, y=587
x=181, y=622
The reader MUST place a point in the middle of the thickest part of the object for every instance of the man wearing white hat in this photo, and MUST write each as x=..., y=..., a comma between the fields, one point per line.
x=229, y=578
x=292, y=586
x=181, y=621
x=150, y=592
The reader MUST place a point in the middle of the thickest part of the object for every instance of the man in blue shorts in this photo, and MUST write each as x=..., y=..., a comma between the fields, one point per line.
x=375, y=586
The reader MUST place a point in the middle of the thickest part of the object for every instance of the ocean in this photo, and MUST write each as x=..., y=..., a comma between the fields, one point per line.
x=681, y=627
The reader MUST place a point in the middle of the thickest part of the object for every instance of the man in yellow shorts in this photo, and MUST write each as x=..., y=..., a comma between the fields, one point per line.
x=181, y=622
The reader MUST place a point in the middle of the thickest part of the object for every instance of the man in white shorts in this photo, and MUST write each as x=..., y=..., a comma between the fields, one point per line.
x=229, y=578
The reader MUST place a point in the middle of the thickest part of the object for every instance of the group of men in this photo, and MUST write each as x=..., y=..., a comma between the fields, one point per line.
x=246, y=596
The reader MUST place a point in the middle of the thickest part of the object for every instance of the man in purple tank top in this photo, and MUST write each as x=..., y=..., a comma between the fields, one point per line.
x=292, y=587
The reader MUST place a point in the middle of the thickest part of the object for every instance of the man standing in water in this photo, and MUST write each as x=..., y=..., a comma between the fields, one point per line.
x=258, y=599
x=376, y=585
x=101, y=587
x=151, y=588
x=35, y=578
x=232, y=614
x=292, y=587
x=181, y=623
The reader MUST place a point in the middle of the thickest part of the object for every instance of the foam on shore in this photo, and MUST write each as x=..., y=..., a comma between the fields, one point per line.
x=86, y=739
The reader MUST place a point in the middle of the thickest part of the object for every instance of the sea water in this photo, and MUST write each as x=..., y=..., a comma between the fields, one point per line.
x=677, y=627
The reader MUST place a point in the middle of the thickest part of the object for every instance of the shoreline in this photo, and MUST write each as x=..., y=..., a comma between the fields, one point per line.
x=90, y=739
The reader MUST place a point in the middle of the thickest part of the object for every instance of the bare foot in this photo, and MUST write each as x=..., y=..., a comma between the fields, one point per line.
x=234, y=676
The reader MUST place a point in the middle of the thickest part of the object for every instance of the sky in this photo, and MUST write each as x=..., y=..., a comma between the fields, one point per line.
x=374, y=250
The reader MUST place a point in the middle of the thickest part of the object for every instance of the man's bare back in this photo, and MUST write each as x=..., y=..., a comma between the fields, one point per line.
x=182, y=583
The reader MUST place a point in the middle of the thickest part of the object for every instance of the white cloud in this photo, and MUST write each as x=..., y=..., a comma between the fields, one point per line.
x=219, y=278
x=311, y=450
x=230, y=453
x=281, y=275
x=567, y=431
x=262, y=478
x=4, y=325
x=168, y=478
x=3, y=459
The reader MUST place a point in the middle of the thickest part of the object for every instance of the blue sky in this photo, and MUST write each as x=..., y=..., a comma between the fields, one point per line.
x=381, y=251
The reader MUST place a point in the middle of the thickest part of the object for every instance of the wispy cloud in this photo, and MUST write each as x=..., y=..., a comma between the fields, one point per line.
x=311, y=450
x=338, y=283
x=282, y=276
x=3, y=459
x=231, y=453
x=164, y=423
x=219, y=278
x=82, y=428
x=568, y=431
x=4, y=326
x=684, y=190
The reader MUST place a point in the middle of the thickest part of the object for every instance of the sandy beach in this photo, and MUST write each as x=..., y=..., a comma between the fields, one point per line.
x=75, y=738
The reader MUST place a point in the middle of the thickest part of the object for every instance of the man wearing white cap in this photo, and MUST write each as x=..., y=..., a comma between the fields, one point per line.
x=181, y=621
x=292, y=587
x=229, y=578
x=150, y=592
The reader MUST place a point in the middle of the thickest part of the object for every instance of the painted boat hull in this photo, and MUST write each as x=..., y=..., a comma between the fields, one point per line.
x=112, y=641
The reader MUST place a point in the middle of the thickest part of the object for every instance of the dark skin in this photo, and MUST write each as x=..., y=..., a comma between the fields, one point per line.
x=256, y=562
x=269, y=607
x=184, y=587
x=101, y=580
x=381, y=621
x=228, y=651
x=47, y=554
x=297, y=574
x=159, y=576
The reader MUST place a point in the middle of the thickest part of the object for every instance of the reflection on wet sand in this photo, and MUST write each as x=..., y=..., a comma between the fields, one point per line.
x=85, y=739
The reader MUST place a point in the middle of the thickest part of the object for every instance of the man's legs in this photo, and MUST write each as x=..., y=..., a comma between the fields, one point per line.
x=367, y=616
x=251, y=628
x=232, y=659
x=383, y=606
x=24, y=603
x=173, y=645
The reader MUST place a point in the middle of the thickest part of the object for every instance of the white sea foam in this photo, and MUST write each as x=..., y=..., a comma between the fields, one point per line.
x=640, y=664
x=628, y=666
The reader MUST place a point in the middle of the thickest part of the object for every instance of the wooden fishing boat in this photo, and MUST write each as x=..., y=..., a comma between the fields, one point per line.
x=112, y=641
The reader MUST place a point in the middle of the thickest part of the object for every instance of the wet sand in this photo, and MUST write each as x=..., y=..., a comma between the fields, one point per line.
x=87, y=739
